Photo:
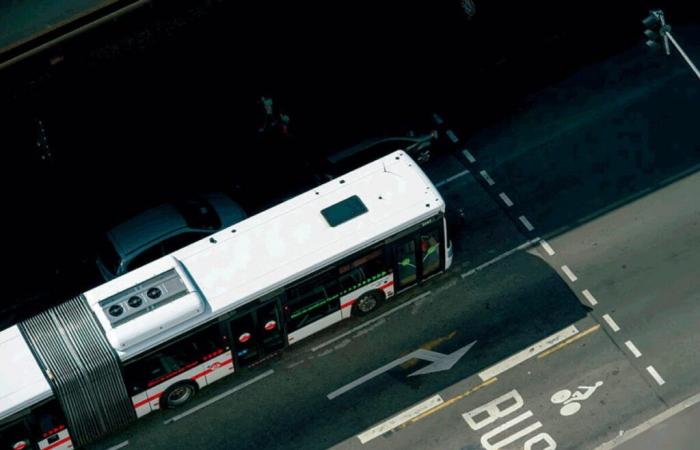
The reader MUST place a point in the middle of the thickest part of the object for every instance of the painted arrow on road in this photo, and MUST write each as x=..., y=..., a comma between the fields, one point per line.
x=438, y=363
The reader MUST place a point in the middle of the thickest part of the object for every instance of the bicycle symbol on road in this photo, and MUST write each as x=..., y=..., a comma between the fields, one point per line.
x=571, y=400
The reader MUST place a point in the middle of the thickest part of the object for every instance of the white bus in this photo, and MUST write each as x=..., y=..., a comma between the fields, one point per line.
x=153, y=337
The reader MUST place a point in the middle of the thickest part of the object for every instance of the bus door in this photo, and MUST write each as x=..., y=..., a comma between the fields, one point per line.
x=257, y=333
x=417, y=257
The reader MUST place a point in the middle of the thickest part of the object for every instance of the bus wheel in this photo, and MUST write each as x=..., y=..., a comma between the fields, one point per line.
x=367, y=303
x=178, y=394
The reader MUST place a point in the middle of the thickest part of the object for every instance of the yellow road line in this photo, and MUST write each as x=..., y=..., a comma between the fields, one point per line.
x=448, y=402
x=569, y=341
x=429, y=346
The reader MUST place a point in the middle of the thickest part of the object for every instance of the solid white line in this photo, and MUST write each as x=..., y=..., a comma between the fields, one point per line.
x=529, y=352
x=547, y=248
x=569, y=273
x=589, y=297
x=486, y=177
x=644, y=426
x=633, y=348
x=370, y=322
x=400, y=419
x=452, y=136
x=467, y=154
x=500, y=257
x=452, y=178
x=438, y=120
x=655, y=375
x=505, y=199
x=220, y=396
x=611, y=323
x=526, y=222
x=118, y=446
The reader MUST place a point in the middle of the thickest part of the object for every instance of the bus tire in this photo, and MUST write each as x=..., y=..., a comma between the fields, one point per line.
x=367, y=302
x=178, y=394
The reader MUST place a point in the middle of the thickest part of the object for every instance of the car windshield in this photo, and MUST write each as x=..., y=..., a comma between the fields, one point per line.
x=108, y=255
x=199, y=214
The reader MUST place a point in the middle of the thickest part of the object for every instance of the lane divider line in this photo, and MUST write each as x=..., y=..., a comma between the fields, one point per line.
x=633, y=348
x=569, y=273
x=611, y=323
x=467, y=154
x=569, y=341
x=220, y=396
x=528, y=353
x=438, y=120
x=526, y=223
x=453, y=137
x=589, y=297
x=118, y=446
x=399, y=419
x=547, y=248
x=655, y=375
x=485, y=175
x=506, y=199
x=452, y=178
x=522, y=246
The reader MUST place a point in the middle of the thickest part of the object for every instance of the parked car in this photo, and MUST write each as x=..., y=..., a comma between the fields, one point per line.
x=164, y=229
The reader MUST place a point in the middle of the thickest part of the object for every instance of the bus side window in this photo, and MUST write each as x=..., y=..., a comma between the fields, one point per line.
x=312, y=300
x=361, y=270
x=49, y=420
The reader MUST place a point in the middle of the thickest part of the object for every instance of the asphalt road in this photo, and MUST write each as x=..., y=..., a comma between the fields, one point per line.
x=575, y=275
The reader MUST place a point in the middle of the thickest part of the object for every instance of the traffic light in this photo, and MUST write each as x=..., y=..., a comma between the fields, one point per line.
x=656, y=30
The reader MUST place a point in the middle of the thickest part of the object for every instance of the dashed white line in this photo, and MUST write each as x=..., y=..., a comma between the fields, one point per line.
x=118, y=446
x=220, y=396
x=506, y=199
x=438, y=120
x=611, y=322
x=655, y=375
x=500, y=257
x=452, y=136
x=547, y=248
x=452, y=178
x=469, y=156
x=569, y=273
x=370, y=322
x=529, y=352
x=633, y=348
x=486, y=177
x=400, y=419
x=526, y=223
x=589, y=297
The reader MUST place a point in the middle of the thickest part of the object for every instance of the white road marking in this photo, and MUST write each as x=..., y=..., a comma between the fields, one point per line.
x=506, y=199
x=452, y=136
x=569, y=273
x=500, y=257
x=485, y=175
x=529, y=352
x=438, y=120
x=220, y=396
x=526, y=223
x=370, y=322
x=400, y=419
x=547, y=248
x=118, y=446
x=655, y=375
x=467, y=154
x=611, y=322
x=589, y=297
x=644, y=426
x=633, y=348
x=452, y=178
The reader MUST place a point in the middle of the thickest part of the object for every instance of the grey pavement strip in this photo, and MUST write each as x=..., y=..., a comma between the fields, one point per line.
x=220, y=396
x=522, y=246
x=118, y=446
x=644, y=426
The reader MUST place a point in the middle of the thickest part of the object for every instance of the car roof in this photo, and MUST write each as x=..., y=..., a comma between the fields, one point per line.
x=150, y=226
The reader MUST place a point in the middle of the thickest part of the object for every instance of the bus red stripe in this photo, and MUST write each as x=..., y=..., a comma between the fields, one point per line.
x=149, y=399
x=384, y=286
x=57, y=443
x=346, y=304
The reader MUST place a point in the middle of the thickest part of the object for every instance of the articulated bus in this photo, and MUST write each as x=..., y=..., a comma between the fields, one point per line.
x=154, y=337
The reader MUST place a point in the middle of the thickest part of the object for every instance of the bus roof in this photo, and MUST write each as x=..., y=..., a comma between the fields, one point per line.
x=22, y=383
x=267, y=251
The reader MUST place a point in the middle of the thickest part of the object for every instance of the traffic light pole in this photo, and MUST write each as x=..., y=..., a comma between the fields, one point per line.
x=680, y=50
